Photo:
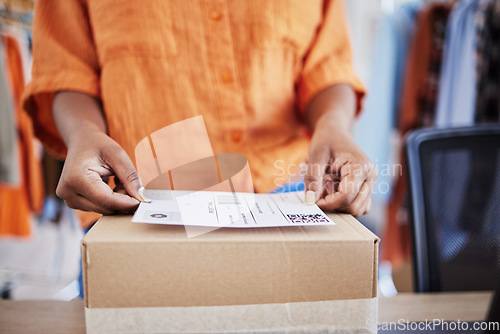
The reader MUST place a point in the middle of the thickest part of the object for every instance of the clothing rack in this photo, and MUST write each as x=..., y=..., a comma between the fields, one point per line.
x=447, y=74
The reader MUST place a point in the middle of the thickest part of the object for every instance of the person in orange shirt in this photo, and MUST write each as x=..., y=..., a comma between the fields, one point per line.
x=264, y=74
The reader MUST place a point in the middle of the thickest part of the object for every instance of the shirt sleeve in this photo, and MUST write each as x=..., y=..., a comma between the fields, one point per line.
x=64, y=58
x=329, y=59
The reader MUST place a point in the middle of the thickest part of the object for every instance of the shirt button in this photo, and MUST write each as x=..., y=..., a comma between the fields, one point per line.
x=215, y=15
x=236, y=136
x=227, y=77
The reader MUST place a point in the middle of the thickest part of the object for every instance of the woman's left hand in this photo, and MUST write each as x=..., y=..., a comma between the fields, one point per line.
x=338, y=171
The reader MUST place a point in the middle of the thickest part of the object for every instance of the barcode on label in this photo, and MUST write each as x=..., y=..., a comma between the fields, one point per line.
x=307, y=218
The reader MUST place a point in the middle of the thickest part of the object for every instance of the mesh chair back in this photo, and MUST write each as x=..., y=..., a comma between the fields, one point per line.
x=454, y=180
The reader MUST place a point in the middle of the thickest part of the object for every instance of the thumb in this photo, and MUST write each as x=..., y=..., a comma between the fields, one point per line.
x=125, y=171
x=316, y=167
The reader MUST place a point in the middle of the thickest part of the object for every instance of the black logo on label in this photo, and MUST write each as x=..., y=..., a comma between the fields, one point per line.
x=159, y=215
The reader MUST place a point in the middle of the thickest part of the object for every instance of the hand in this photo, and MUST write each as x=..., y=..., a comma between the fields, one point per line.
x=339, y=173
x=92, y=158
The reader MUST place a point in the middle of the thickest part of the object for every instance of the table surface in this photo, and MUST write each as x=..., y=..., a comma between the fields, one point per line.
x=57, y=317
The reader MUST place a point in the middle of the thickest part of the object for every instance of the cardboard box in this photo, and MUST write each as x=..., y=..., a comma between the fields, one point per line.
x=153, y=279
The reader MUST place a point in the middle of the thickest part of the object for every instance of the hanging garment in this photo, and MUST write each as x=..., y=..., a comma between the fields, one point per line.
x=488, y=63
x=23, y=40
x=9, y=155
x=421, y=84
x=457, y=86
x=16, y=203
x=418, y=104
x=404, y=22
x=388, y=65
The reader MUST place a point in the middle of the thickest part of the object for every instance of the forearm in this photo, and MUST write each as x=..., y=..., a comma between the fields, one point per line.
x=76, y=112
x=92, y=158
x=333, y=105
x=333, y=153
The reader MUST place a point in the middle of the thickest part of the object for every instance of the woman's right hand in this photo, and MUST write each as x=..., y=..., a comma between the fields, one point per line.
x=92, y=158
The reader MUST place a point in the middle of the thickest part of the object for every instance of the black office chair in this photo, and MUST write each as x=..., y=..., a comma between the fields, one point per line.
x=454, y=184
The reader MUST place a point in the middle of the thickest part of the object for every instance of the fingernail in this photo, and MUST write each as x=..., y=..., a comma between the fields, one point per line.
x=310, y=197
x=143, y=198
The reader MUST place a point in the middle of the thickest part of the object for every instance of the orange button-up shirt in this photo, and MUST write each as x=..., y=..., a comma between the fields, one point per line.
x=250, y=67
